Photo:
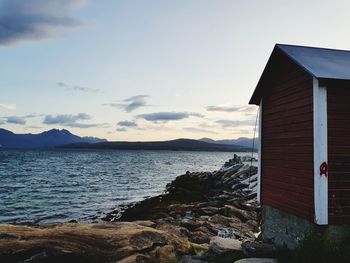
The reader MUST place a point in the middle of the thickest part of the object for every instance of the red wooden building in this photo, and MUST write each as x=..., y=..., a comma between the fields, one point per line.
x=304, y=99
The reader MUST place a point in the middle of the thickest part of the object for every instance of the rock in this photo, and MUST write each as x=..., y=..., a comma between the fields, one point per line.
x=235, y=160
x=199, y=237
x=253, y=185
x=109, y=242
x=243, y=215
x=173, y=229
x=222, y=197
x=250, y=179
x=210, y=210
x=179, y=208
x=165, y=253
x=147, y=223
x=7, y=236
x=221, y=245
x=239, y=186
x=224, y=221
x=191, y=225
x=139, y=258
x=254, y=225
x=257, y=260
x=258, y=249
x=146, y=240
x=232, y=170
x=245, y=172
x=228, y=234
x=191, y=259
x=42, y=254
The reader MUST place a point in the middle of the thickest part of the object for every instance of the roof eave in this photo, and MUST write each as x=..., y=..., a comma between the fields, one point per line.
x=257, y=94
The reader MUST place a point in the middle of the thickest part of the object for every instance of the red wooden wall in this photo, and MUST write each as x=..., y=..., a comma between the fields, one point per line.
x=287, y=138
x=338, y=97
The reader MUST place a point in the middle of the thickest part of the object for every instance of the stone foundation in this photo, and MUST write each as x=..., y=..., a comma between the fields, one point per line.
x=286, y=230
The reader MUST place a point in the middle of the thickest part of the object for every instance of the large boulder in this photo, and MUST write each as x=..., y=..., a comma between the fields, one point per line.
x=221, y=245
x=109, y=242
x=258, y=249
x=243, y=215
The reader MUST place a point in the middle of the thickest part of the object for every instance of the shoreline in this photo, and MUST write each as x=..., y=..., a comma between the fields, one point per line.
x=197, y=212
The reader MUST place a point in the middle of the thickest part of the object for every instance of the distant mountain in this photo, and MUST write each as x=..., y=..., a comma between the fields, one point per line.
x=47, y=139
x=173, y=145
x=243, y=141
x=65, y=139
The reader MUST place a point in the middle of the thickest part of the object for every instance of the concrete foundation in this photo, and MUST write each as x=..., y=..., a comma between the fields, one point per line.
x=288, y=231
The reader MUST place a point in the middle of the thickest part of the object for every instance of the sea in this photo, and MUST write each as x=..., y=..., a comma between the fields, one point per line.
x=52, y=186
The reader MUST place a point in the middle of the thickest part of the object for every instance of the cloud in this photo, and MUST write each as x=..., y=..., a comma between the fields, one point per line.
x=223, y=108
x=7, y=106
x=137, y=97
x=16, y=120
x=69, y=120
x=127, y=123
x=76, y=88
x=31, y=116
x=233, y=123
x=20, y=120
x=34, y=127
x=130, y=104
x=207, y=125
x=168, y=116
x=122, y=129
x=199, y=130
x=36, y=20
x=248, y=109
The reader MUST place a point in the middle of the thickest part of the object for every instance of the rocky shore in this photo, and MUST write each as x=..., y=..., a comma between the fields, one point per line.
x=202, y=217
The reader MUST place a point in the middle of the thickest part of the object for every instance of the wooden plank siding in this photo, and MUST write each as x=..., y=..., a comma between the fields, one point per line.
x=287, y=170
x=338, y=105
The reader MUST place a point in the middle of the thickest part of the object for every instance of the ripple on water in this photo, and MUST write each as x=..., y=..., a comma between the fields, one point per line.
x=57, y=185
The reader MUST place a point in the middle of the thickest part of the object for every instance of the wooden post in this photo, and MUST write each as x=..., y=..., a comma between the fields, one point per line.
x=259, y=152
x=320, y=153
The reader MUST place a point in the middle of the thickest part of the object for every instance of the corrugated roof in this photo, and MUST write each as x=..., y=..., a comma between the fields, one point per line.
x=320, y=62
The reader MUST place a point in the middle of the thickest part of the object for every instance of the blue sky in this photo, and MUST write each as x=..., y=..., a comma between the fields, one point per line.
x=148, y=70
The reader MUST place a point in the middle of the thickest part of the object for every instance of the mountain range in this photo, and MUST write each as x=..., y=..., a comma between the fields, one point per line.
x=242, y=141
x=47, y=139
x=172, y=145
x=65, y=139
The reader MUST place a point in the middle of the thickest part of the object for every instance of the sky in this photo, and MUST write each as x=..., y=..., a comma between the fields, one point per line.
x=149, y=70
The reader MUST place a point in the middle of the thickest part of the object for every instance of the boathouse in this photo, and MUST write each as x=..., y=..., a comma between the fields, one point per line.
x=304, y=165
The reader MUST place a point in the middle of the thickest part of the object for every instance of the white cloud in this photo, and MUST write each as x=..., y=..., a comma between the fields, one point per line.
x=130, y=104
x=7, y=106
x=74, y=121
x=223, y=108
x=199, y=130
x=168, y=116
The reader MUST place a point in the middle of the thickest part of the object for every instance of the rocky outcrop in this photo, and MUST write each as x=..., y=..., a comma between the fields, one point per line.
x=113, y=242
x=204, y=208
x=202, y=217
x=221, y=245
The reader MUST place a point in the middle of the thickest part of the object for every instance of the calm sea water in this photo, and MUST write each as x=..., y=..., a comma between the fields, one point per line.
x=57, y=185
